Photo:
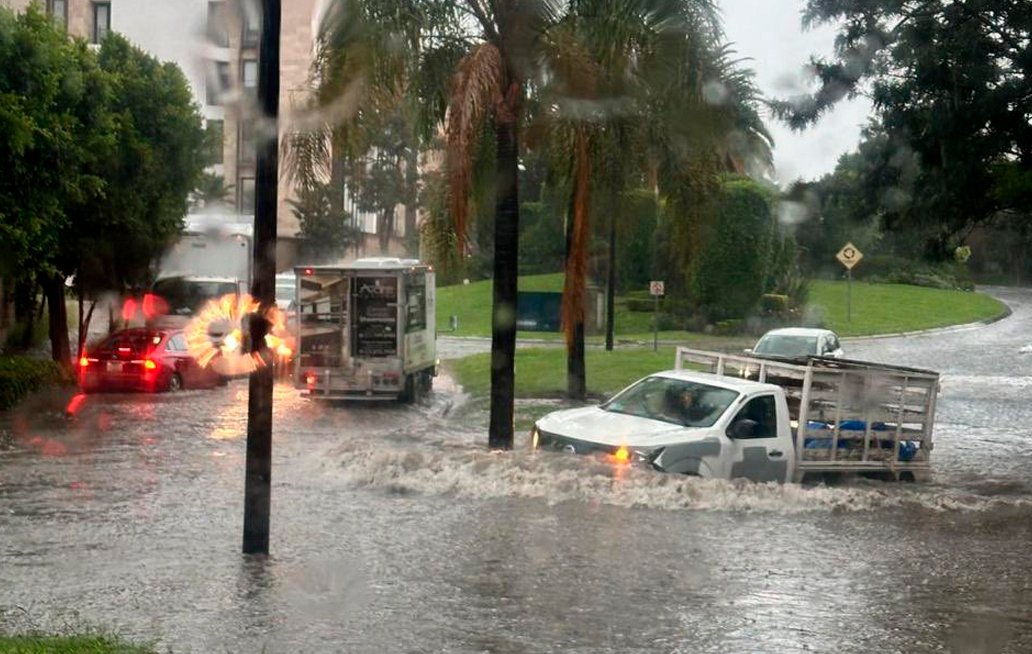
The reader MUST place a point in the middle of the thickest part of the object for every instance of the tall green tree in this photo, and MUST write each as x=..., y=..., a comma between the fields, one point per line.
x=950, y=81
x=155, y=153
x=103, y=151
x=54, y=129
x=640, y=90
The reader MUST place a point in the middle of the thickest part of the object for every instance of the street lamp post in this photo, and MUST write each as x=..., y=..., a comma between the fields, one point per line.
x=258, y=474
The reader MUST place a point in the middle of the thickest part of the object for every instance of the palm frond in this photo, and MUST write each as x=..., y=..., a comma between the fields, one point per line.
x=476, y=91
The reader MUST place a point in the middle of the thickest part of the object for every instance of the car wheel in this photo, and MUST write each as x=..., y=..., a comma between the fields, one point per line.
x=175, y=383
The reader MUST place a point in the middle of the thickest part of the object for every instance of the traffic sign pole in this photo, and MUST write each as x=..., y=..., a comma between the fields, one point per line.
x=655, y=323
x=849, y=295
x=849, y=256
x=656, y=289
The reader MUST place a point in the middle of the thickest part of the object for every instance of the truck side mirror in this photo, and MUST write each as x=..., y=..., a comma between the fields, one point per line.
x=744, y=428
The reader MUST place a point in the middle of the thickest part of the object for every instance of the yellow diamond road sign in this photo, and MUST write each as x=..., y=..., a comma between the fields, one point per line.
x=849, y=256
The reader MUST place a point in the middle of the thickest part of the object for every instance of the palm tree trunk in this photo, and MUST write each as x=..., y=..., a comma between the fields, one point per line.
x=574, y=291
x=506, y=259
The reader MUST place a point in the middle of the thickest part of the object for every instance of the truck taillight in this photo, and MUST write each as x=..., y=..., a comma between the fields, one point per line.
x=83, y=362
x=150, y=365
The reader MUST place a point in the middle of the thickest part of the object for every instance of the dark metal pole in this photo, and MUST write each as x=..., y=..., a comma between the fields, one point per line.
x=258, y=475
x=611, y=285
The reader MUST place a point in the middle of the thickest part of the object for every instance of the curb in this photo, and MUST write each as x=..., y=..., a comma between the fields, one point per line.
x=1006, y=313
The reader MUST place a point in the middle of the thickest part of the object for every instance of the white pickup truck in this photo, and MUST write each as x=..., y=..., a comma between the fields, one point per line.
x=735, y=416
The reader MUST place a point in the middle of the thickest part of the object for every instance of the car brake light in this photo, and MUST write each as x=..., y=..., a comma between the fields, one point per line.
x=150, y=365
x=83, y=362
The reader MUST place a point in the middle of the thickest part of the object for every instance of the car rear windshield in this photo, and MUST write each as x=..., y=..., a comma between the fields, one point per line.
x=130, y=344
x=787, y=346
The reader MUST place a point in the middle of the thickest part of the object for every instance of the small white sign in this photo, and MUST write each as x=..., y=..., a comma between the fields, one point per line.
x=656, y=288
x=849, y=256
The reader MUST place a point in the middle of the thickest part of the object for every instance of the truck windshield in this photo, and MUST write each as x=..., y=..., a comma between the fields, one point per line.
x=782, y=345
x=678, y=401
x=186, y=296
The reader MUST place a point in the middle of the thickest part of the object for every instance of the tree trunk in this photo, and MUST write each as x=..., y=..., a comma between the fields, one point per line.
x=574, y=286
x=85, y=329
x=385, y=228
x=60, y=348
x=81, y=338
x=506, y=261
x=411, y=188
x=611, y=283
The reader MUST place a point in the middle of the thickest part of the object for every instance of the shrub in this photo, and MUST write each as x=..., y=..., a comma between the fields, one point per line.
x=729, y=327
x=732, y=268
x=20, y=376
x=643, y=306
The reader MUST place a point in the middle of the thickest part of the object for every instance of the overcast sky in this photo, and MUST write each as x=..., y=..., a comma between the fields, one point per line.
x=769, y=32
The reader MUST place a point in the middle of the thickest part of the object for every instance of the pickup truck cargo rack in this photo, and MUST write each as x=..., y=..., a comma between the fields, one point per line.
x=847, y=416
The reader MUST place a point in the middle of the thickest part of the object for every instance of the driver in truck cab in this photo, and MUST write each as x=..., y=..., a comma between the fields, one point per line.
x=684, y=406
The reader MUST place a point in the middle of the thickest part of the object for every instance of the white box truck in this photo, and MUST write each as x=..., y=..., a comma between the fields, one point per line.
x=211, y=258
x=366, y=330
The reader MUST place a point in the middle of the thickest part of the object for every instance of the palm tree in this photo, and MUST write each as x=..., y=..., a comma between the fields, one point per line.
x=377, y=55
x=212, y=190
x=643, y=89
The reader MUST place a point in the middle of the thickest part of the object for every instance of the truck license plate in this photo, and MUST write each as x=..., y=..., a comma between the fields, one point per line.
x=114, y=366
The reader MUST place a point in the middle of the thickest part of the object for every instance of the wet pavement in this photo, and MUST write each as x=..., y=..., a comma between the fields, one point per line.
x=393, y=530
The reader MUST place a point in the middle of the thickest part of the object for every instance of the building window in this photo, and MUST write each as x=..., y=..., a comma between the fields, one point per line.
x=249, y=75
x=247, y=195
x=217, y=83
x=216, y=137
x=217, y=31
x=58, y=10
x=247, y=144
x=101, y=20
x=252, y=25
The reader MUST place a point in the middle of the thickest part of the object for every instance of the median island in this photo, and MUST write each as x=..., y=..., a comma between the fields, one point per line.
x=876, y=309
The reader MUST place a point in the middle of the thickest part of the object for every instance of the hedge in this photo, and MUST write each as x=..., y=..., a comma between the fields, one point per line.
x=20, y=376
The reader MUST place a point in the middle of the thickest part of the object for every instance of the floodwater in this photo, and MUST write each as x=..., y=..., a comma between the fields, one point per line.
x=394, y=530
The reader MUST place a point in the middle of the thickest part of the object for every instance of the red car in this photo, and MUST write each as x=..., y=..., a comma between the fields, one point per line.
x=143, y=360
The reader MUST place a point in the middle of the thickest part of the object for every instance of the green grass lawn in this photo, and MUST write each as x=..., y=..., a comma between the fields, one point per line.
x=877, y=309
x=67, y=645
x=541, y=372
x=890, y=308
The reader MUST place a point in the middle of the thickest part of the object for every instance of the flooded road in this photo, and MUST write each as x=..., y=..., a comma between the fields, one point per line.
x=393, y=530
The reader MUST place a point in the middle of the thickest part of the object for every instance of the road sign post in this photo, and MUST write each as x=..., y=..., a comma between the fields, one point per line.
x=849, y=256
x=656, y=290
